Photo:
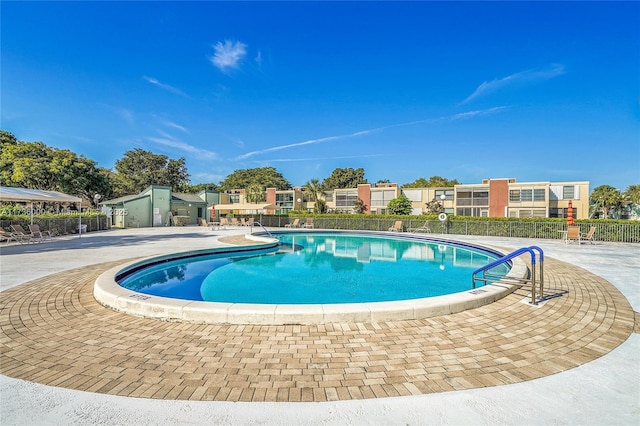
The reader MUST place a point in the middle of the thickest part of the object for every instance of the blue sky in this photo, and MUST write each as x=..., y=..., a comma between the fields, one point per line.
x=540, y=91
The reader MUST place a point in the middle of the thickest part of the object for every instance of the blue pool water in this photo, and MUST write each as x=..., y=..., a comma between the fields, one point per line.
x=318, y=268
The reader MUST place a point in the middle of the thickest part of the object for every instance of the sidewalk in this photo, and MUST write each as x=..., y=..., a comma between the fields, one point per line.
x=604, y=391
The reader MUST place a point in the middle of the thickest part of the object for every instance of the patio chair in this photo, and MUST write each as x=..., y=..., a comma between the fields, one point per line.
x=589, y=235
x=308, y=223
x=19, y=232
x=573, y=234
x=39, y=234
x=397, y=227
x=13, y=236
x=294, y=224
x=424, y=228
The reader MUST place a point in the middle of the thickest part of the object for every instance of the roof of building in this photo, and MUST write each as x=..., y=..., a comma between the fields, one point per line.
x=190, y=198
x=124, y=199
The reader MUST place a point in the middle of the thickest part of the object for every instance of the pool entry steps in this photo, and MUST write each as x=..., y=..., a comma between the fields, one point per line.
x=487, y=277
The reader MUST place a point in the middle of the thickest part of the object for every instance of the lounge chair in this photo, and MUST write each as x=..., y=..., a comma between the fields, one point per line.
x=573, y=234
x=234, y=221
x=19, y=232
x=14, y=236
x=39, y=234
x=250, y=222
x=224, y=222
x=243, y=222
x=308, y=223
x=589, y=235
x=294, y=224
x=397, y=227
x=424, y=228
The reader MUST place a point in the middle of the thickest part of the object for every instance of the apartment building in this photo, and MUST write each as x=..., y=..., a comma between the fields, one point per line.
x=502, y=197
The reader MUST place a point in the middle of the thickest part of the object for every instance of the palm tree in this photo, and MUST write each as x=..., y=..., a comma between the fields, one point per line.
x=607, y=198
x=312, y=189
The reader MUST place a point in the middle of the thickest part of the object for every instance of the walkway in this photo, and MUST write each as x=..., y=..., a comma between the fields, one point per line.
x=55, y=334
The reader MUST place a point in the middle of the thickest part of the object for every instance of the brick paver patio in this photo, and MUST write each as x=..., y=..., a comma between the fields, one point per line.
x=55, y=333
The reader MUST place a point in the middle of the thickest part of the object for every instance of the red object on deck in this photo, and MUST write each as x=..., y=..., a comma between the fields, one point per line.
x=570, y=213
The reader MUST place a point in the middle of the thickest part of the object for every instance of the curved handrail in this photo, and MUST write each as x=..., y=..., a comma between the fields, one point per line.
x=505, y=258
x=261, y=226
x=510, y=256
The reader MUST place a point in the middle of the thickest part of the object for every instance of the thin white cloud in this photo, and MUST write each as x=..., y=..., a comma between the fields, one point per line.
x=460, y=116
x=209, y=177
x=170, y=141
x=166, y=87
x=228, y=55
x=175, y=126
x=288, y=160
x=521, y=77
x=238, y=143
x=126, y=114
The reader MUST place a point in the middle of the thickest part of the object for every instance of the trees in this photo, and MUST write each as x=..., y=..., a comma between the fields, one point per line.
x=400, y=205
x=320, y=206
x=38, y=166
x=632, y=194
x=254, y=193
x=265, y=177
x=139, y=168
x=434, y=207
x=194, y=189
x=343, y=178
x=359, y=206
x=607, y=198
x=433, y=182
x=312, y=189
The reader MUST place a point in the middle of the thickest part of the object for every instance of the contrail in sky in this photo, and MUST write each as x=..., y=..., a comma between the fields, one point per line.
x=460, y=116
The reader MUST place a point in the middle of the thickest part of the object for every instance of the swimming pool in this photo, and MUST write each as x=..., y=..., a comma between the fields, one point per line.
x=379, y=251
x=318, y=267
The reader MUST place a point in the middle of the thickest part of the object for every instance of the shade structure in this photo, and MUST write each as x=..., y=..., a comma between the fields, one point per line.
x=570, y=213
x=30, y=195
x=242, y=206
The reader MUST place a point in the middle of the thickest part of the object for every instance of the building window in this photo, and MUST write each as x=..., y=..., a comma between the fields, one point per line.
x=539, y=195
x=471, y=211
x=284, y=200
x=382, y=198
x=234, y=198
x=328, y=196
x=562, y=212
x=448, y=193
x=568, y=192
x=480, y=198
x=346, y=198
x=414, y=195
x=526, y=195
x=514, y=195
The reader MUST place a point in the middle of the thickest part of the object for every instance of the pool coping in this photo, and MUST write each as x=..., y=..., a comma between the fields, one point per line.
x=108, y=293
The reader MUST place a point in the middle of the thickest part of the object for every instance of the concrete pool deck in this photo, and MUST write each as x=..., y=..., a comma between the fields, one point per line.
x=576, y=363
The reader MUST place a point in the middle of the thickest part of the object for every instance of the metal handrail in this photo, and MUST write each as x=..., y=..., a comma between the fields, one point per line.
x=507, y=258
x=255, y=222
